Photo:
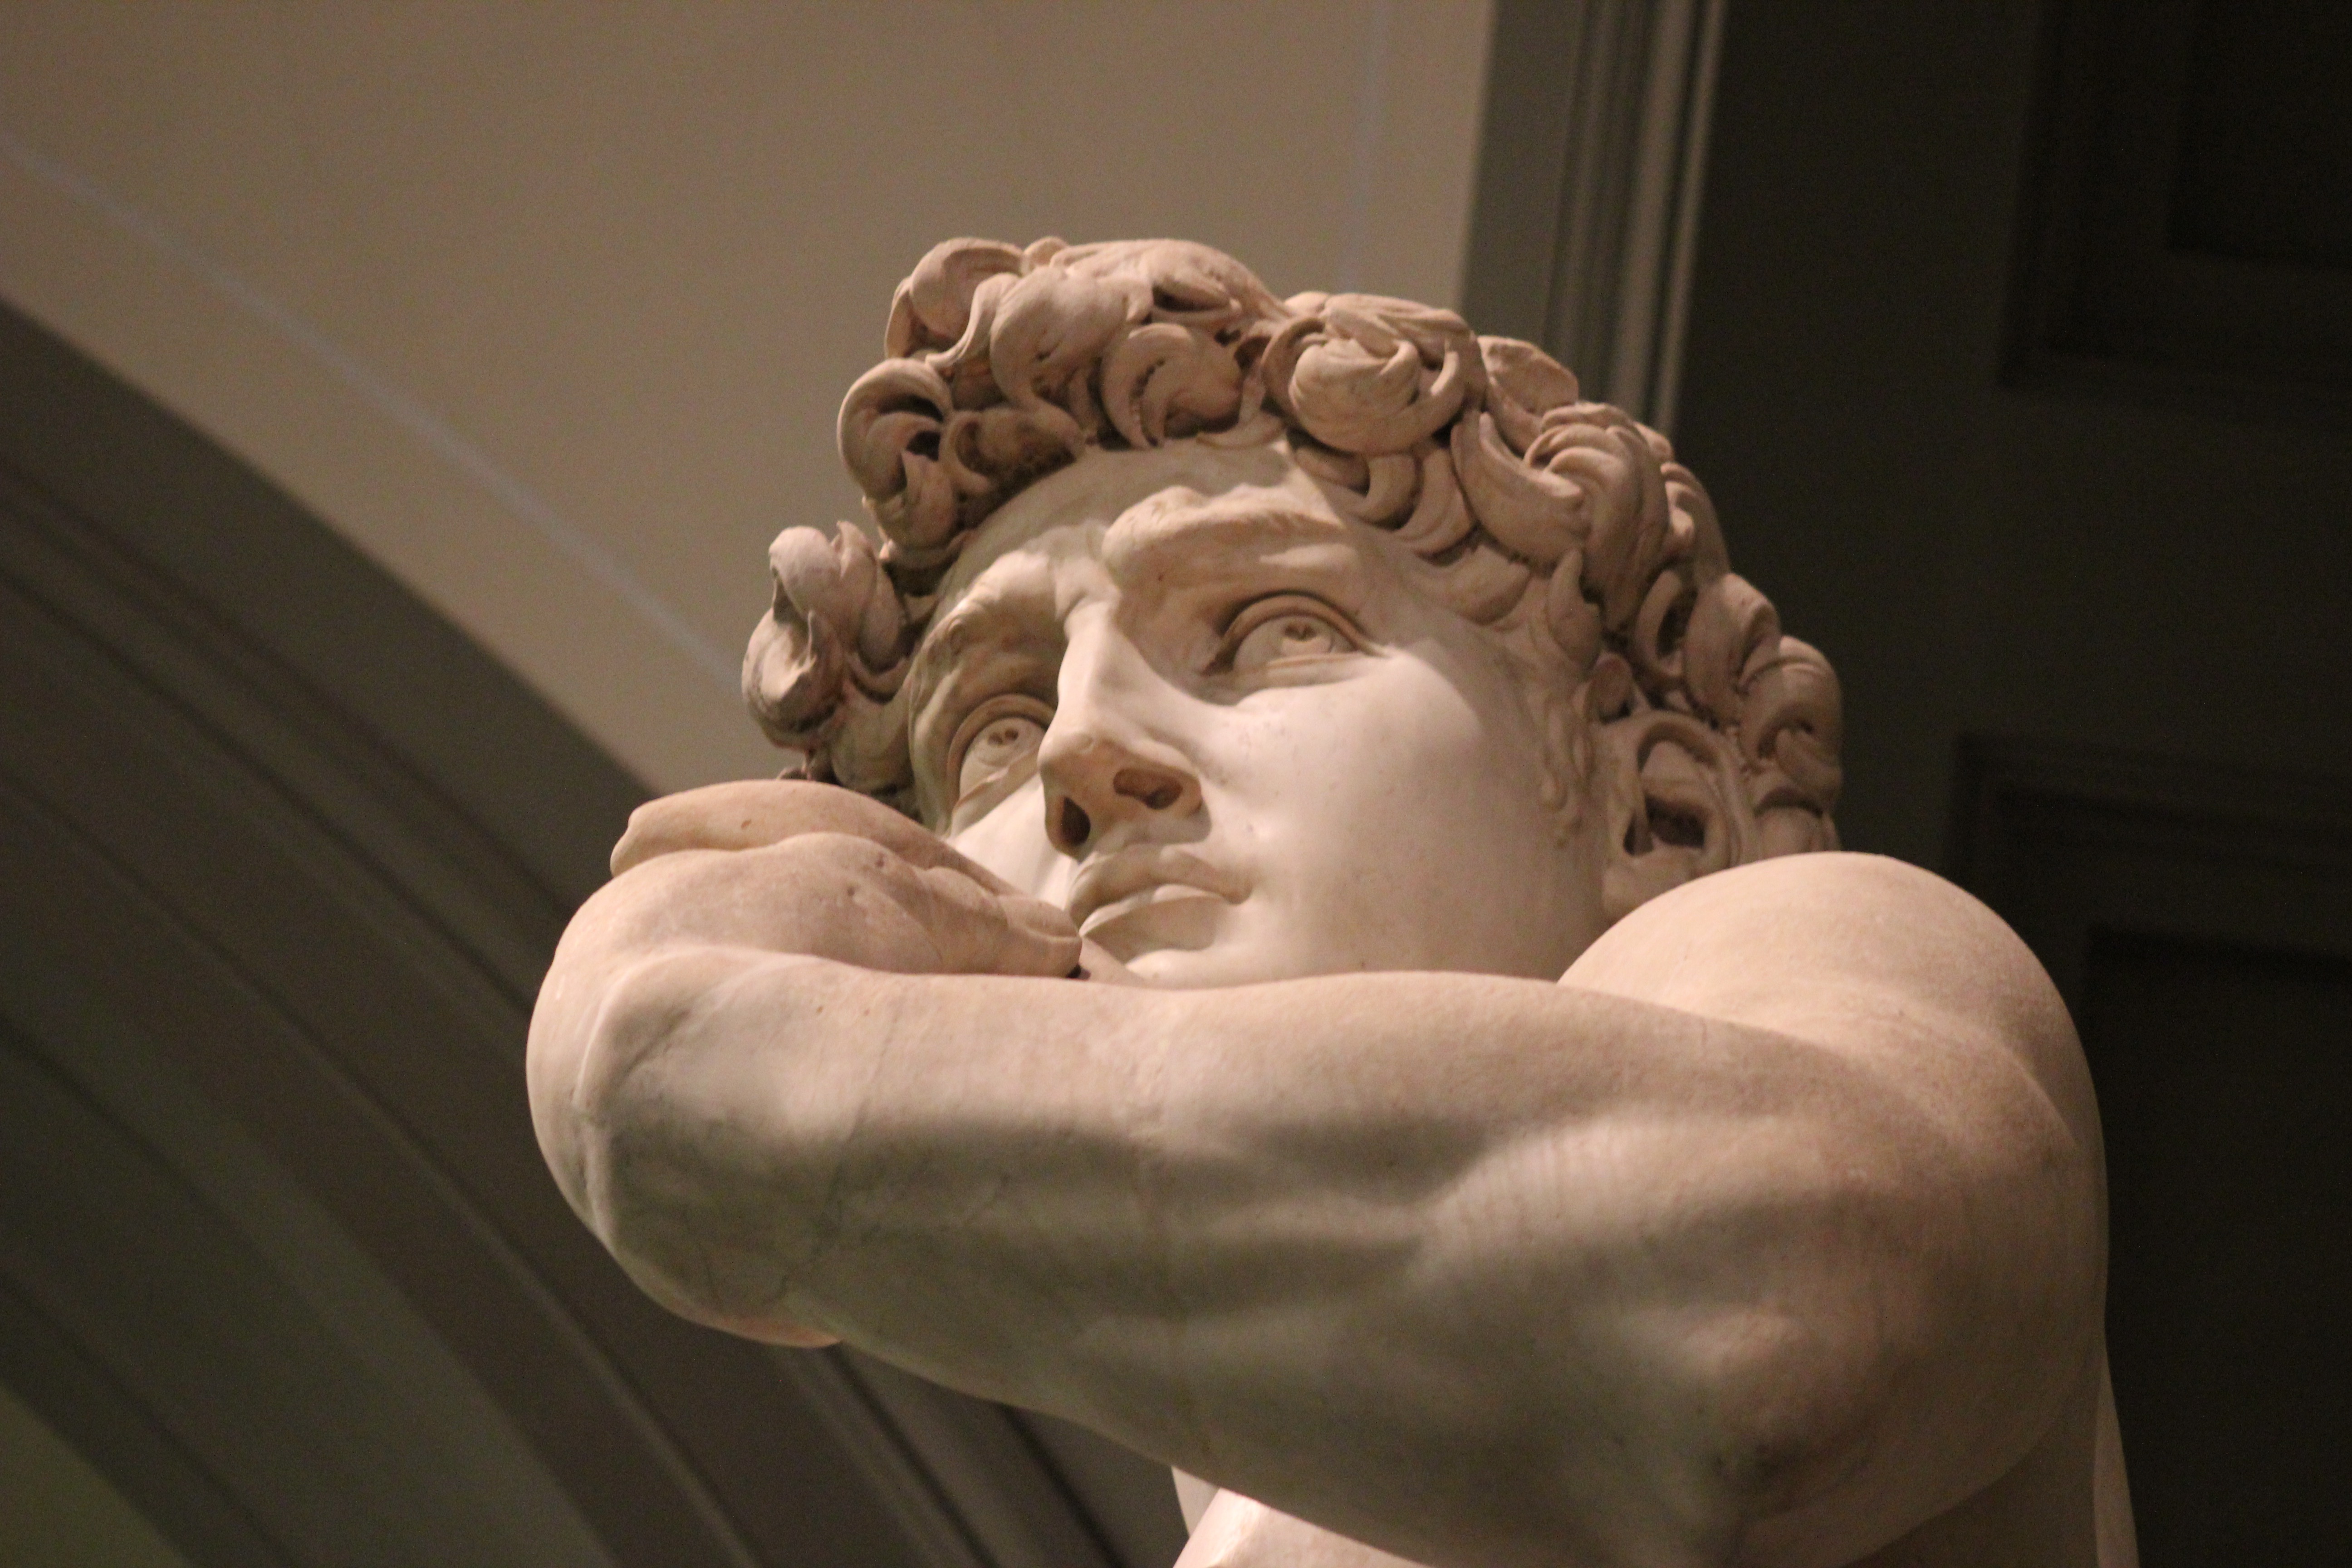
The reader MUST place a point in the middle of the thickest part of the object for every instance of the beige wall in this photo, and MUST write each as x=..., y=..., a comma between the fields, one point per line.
x=548, y=309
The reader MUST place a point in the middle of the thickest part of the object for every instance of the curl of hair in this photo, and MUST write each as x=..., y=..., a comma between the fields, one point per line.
x=1564, y=525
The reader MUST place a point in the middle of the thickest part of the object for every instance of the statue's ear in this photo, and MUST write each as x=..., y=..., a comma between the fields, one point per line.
x=1677, y=807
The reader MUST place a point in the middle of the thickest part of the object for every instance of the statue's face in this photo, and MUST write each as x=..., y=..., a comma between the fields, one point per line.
x=1178, y=693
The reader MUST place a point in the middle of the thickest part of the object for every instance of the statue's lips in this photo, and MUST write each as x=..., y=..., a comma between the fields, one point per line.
x=1132, y=880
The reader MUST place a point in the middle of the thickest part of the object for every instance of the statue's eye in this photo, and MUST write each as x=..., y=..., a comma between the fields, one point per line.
x=998, y=738
x=1285, y=630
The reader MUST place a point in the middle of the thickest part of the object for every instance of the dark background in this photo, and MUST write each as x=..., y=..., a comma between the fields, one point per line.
x=2018, y=366
x=2128, y=550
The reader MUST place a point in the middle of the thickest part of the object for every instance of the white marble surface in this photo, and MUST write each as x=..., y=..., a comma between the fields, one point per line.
x=1371, y=1013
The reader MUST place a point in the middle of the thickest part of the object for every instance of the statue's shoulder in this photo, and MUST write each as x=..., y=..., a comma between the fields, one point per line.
x=1832, y=942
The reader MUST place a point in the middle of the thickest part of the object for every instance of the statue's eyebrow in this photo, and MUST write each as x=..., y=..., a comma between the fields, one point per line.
x=1202, y=544
x=985, y=610
x=1149, y=545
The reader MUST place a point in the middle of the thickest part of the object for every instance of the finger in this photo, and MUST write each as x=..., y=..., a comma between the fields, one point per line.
x=1041, y=939
x=826, y=895
x=751, y=814
x=978, y=931
x=746, y=815
x=1097, y=965
x=843, y=897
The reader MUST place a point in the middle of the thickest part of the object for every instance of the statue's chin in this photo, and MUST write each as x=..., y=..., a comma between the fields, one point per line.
x=1231, y=960
x=1199, y=969
x=1179, y=938
x=1168, y=918
x=1172, y=970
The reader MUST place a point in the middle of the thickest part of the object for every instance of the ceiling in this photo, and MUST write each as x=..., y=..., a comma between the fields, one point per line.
x=548, y=310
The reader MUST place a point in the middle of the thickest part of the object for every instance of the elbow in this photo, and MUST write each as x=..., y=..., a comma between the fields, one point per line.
x=1783, y=1403
x=607, y=1004
x=562, y=1024
x=676, y=1164
x=595, y=1027
x=1692, y=1425
x=1842, y=1419
x=641, y=1112
x=1741, y=1422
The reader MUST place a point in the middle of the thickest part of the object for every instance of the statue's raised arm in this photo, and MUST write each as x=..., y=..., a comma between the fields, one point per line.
x=1344, y=981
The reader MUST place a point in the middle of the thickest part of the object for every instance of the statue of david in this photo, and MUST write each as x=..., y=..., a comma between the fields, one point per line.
x=1304, y=931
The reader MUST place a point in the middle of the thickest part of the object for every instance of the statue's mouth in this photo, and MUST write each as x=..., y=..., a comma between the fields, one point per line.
x=1170, y=916
x=1127, y=882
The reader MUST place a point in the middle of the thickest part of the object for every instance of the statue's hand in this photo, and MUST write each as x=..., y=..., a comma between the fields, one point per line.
x=704, y=883
x=823, y=871
x=751, y=814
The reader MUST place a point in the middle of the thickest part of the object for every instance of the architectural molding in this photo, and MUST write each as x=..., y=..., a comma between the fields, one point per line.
x=2181, y=229
x=282, y=858
x=1590, y=168
x=2065, y=841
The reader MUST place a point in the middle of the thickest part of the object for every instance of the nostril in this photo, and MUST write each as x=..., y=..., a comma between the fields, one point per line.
x=1156, y=791
x=1074, y=826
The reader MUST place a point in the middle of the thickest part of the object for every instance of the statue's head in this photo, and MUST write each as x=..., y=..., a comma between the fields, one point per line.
x=1279, y=638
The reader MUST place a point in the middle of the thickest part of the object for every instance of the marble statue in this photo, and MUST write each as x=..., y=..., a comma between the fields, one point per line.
x=1304, y=931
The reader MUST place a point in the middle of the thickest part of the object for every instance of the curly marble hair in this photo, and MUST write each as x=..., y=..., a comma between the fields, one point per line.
x=1564, y=526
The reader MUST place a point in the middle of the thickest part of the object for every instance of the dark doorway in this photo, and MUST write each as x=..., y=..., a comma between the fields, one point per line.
x=2225, y=1076
x=2198, y=921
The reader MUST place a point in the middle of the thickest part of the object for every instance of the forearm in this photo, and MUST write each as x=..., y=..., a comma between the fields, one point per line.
x=1458, y=1212
x=818, y=893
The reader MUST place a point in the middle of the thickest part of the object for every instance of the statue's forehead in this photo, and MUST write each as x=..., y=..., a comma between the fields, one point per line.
x=1127, y=511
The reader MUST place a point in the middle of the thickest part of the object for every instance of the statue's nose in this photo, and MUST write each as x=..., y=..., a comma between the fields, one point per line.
x=1102, y=764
